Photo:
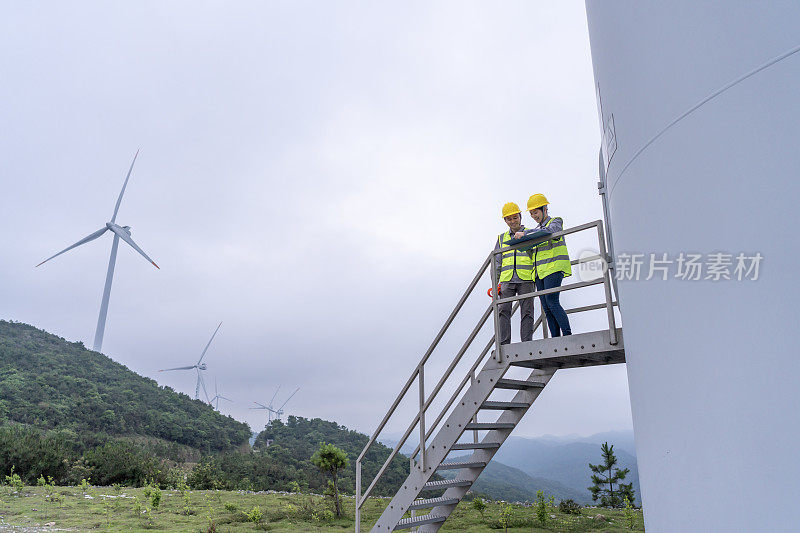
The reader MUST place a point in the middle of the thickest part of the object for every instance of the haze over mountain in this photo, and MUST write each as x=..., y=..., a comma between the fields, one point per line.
x=503, y=482
x=559, y=465
x=567, y=461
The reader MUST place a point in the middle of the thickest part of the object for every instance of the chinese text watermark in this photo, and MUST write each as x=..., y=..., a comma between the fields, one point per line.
x=717, y=266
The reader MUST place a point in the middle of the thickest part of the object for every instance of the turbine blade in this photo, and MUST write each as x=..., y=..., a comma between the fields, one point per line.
x=276, y=393
x=209, y=344
x=289, y=398
x=127, y=238
x=124, y=185
x=86, y=239
x=224, y=398
x=262, y=406
x=178, y=368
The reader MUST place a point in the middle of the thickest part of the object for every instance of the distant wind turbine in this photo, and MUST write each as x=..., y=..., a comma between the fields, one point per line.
x=120, y=232
x=217, y=397
x=274, y=414
x=280, y=409
x=199, y=365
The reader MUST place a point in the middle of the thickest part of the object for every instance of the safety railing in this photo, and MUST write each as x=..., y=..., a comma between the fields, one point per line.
x=419, y=372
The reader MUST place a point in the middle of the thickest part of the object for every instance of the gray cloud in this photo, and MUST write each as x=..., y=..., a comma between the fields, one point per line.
x=324, y=178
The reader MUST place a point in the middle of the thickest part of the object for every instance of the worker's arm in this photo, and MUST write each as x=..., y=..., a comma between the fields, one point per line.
x=556, y=225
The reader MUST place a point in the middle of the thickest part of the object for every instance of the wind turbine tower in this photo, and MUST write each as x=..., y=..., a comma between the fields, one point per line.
x=217, y=397
x=199, y=366
x=699, y=119
x=120, y=232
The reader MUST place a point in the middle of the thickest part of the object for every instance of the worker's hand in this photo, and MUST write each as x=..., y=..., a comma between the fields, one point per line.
x=519, y=234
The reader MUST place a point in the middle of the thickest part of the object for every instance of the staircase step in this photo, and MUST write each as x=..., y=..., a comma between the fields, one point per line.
x=504, y=405
x=446, y=483
x=475, y=446
x=461, y=464
x=489, y=425
x=406, y=523
x=433, y=502
x=518, y=384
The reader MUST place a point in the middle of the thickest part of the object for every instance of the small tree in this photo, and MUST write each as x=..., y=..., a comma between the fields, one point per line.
x=479, y=505
x=605, y=477
x=331, y=460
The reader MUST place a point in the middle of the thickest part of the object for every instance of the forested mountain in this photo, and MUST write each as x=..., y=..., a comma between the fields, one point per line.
x=49, y=383
x=296, y=441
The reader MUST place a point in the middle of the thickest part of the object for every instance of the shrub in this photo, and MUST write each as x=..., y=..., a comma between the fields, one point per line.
x=206, y=476
x=630, y=513
x=540, y=508
x=14, y=481
x=569, y=507
x=155, y=497
x=35, y=453
x=122, y=462
x=255, y=514
x=479, y=505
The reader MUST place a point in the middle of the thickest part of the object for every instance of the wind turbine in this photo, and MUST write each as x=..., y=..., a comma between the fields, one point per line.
x=120, y=232
x=199, y=365
x=271, y=410
x=217, y=397
x=274, y=414
x=280, y=409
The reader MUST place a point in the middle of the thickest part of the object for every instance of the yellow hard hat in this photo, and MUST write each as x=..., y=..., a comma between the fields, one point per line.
x=536, y=201
x=510, y=209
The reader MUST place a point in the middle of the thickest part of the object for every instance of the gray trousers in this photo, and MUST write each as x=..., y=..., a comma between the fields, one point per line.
x=510, y=288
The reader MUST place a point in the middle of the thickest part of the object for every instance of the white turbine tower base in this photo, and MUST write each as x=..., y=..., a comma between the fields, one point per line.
x=700, y=120
x=120, y=232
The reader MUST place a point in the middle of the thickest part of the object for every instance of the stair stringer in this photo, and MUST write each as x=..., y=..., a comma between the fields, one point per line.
x=514, y=416
x=450, y=432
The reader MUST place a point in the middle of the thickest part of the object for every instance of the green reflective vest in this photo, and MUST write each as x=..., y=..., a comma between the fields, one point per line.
x=518, y=260
x=551, y=256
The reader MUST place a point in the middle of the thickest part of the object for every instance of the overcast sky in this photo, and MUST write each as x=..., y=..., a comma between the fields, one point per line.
x=325, y=178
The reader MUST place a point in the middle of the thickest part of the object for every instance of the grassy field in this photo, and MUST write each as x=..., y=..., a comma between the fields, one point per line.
x=125, y=509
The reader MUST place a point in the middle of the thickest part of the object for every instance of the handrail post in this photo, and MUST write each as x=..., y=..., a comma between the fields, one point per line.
x=612, y=327
x=545, y=330
x=495, y=310
x=474, y=418
x=422, y=461
x=358, y=496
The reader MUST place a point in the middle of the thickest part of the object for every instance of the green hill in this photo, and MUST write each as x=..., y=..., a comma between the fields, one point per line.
x=282, y=455
x=48, y=383
x=70, y=412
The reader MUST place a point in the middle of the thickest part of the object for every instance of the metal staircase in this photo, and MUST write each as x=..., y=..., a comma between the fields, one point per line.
x=460, y=414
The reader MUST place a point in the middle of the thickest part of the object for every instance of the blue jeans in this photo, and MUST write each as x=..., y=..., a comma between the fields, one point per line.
x=556, y=316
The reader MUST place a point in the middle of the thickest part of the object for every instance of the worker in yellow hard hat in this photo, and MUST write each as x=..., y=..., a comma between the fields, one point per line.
x=550, y=264
x=515, y=274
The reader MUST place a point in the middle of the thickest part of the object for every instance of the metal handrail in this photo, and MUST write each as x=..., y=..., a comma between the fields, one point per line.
x=493, y=308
